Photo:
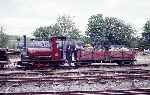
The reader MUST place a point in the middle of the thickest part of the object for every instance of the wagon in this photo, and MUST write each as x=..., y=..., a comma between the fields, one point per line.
x=119, y=56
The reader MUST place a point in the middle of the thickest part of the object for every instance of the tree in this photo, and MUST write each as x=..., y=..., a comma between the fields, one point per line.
x=64, y=26
x=12, y=40
x=67, y=27
x=95, y=24
x=47, y=32
x=85, y=39
x=42, y=32
x=109, y=31
x=147, y=27
x=3, y=38
x=146, y=35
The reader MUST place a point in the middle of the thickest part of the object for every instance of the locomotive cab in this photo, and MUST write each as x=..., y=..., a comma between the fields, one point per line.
x=57, y=48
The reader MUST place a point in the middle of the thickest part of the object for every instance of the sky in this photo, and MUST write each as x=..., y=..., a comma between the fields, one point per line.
x=22, y=17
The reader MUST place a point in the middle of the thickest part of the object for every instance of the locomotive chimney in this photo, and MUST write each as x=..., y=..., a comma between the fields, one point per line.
x=24, y=42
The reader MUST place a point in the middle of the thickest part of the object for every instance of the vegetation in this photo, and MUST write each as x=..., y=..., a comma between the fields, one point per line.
x=3, y=38
x=109, y=31
x=101, y=31
x=64, y=26
x=12, y=41
x=146, y=35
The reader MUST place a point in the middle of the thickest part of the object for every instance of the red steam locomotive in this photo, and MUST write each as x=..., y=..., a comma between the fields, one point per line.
x=59, y=51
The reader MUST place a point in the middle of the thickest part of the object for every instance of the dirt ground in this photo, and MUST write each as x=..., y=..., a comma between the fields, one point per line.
x=142, y=59
x=78, y=85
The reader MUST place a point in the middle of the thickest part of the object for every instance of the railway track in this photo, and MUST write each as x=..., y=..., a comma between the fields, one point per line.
x=75, y=72
x=107, y=92
x=88, y=76
x=92, y=67
x=108, y=65
x=69, y=79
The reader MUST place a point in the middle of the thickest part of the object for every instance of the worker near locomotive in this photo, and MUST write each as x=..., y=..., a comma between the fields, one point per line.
x=60, y=50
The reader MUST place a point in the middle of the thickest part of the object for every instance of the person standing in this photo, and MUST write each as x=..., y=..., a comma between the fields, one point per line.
x=69, y=54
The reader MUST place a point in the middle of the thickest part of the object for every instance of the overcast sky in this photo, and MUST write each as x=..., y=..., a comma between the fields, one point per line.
x=24, y=16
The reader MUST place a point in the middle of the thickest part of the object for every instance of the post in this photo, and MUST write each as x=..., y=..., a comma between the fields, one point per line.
x=23, y=50
x=24, y=42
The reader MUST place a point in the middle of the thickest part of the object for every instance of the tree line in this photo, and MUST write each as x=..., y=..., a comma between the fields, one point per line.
x=101, y=31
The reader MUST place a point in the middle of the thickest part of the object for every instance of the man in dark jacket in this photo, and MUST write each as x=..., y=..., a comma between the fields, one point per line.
x=69, y=54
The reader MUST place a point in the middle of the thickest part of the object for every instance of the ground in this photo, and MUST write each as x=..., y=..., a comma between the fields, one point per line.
x=80, y=79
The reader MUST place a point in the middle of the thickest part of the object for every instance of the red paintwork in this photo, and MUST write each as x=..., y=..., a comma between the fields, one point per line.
x=35, y=52
x=95, y=55
x=52, y=52
x=86, y=55
x=123, y=55
x=90, y=55
x=55, y=50
x=99, y=55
